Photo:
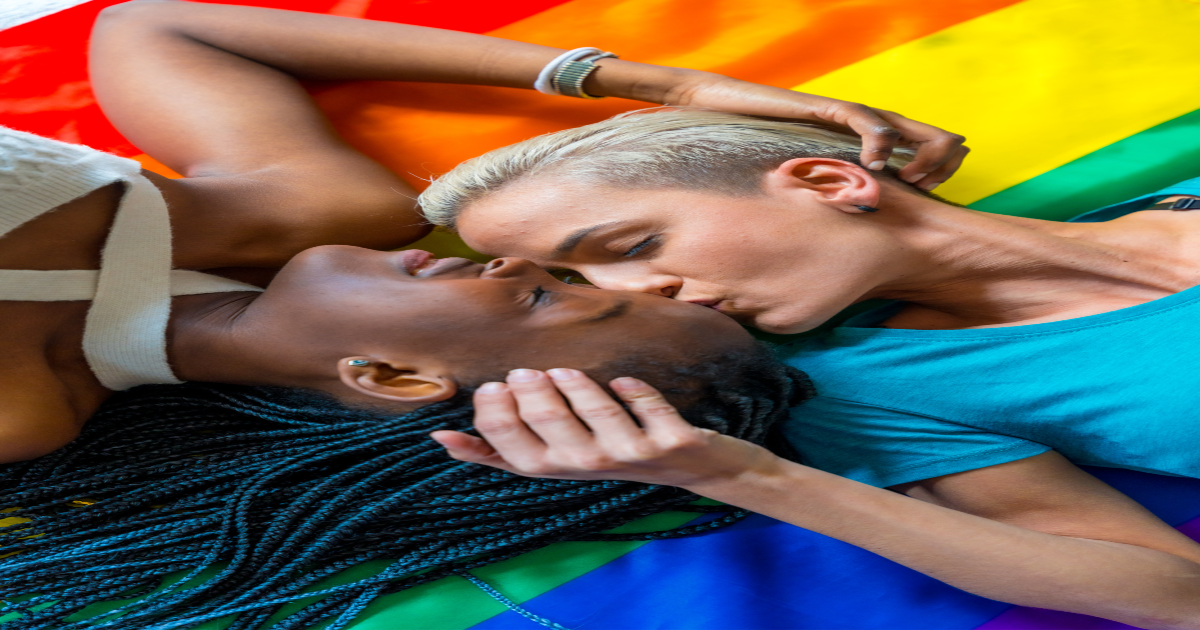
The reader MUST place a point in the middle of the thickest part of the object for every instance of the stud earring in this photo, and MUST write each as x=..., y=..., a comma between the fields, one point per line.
x=358, y=362
x=867, y=208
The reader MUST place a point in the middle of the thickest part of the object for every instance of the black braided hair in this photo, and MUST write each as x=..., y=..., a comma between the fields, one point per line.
x=276, y=490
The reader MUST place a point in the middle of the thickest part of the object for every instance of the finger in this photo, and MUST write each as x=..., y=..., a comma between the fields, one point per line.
x=879, y=137
x=469, y=448
x=545, y=411
x=935, y=147
x=497, y=421
x=940, y=175
x=650, y=407
x=603, y=415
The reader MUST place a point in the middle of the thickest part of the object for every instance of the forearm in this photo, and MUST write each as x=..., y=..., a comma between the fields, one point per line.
x=323, y=47
x=1126, y=583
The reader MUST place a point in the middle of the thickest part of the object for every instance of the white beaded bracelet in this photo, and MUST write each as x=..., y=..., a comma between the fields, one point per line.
x=565, y=74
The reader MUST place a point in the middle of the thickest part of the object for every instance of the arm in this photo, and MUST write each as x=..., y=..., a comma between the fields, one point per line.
x=212, y=92
x=1046, y=534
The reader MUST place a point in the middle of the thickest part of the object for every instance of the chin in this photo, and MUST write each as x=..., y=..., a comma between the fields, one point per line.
x=783, y=325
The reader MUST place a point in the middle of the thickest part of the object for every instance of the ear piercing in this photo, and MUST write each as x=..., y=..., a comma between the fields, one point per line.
x=358, y=362
x=867, y=208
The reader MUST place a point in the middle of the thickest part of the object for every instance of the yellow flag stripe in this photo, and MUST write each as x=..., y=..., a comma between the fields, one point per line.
x=1037, y=84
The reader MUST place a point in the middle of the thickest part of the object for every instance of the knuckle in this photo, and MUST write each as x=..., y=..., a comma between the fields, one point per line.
x=643, y=394
x=593, y=462
x=642, y=452
x=853, y=109
x=538, y=469
x=494, y=426
x=886, y=131
x=657, y=407
x=530, y=387
x=548, y=416
x=684, y=441
x=603, y=412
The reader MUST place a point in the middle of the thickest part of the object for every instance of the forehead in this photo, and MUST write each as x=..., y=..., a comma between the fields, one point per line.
x=530, y=218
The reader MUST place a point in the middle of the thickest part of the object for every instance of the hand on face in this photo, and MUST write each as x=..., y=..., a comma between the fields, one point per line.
x=939, y=152
x=562, y=425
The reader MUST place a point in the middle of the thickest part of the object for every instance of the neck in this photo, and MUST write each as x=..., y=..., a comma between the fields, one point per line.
x=964, y=268
x=212, y=338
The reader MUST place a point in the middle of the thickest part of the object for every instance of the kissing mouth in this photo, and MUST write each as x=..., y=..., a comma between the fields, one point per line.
x=713, y=304
x=413, y=260
x=422, y=264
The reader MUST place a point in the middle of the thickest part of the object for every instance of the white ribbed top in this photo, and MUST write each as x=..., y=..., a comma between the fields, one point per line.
x=124, y=337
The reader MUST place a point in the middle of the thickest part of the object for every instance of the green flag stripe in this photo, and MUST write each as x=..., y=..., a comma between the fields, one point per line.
x=1142, y=163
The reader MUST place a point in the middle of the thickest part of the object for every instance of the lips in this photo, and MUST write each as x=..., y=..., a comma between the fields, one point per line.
x=414, y=260
x=443, y=265
x=713, y=304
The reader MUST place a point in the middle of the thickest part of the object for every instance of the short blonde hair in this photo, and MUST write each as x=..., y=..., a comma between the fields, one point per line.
x=693, y=149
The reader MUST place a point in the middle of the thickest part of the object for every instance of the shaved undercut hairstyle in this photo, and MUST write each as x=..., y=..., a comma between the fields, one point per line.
x=670, y=147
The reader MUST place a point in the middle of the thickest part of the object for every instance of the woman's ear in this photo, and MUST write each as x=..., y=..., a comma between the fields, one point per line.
x=390, y=381
x=843, y=185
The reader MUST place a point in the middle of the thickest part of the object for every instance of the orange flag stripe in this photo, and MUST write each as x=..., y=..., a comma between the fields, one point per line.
x=421, y=130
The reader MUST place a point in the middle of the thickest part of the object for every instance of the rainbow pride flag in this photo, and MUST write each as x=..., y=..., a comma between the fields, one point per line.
x=1068, y=105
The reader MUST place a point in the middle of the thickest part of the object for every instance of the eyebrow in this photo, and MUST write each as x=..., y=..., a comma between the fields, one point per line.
x=575, y=238
x=616, y=310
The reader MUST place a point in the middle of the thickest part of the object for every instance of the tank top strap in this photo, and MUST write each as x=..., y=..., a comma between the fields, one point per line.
x=28, y=285
x=124, y=338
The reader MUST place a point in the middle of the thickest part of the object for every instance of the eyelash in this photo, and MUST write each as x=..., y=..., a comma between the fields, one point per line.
x=538, y=294
x=649, y=241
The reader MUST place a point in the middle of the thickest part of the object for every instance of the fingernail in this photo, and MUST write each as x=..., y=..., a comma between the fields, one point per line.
x=915, y=178
x=877, y=165
x=562, y=374
x=626, y=382
x=491, y=388
x=522, y=376
x=929, y=187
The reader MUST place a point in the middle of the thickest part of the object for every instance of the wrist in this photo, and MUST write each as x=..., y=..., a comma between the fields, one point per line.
x=642, y=81
x=768, y=472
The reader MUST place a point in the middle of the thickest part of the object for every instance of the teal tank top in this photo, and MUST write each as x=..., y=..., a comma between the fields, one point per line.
x=1118, y=389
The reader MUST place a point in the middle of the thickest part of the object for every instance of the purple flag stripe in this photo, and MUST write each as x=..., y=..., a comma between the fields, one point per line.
x=1022, y=618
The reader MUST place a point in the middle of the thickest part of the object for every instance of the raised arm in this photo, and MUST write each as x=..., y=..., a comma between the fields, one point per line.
x=1036, y=532
x=212, y=92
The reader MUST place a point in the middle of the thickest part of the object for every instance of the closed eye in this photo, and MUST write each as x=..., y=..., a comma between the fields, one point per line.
x=538, y=293
x=642, y=245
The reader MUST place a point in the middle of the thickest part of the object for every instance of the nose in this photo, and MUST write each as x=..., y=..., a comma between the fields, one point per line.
x=509, y=268
x=654, y=284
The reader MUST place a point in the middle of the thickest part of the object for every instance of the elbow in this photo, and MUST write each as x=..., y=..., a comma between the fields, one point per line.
x=141, y=15
x=1176, y=608
x=128, y=11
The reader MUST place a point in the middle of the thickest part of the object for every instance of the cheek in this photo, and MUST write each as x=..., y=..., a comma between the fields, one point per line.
x=723, y=255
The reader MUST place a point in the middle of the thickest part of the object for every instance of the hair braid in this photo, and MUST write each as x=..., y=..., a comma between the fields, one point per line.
x=256, y=495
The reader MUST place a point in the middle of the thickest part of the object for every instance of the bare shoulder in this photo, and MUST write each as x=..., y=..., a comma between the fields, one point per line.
x=40, y=412
x=1180, y=225
x=1048, y=493
x=45, y=383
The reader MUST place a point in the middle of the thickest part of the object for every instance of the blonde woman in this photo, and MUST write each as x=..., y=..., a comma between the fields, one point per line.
x=1012, y=350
